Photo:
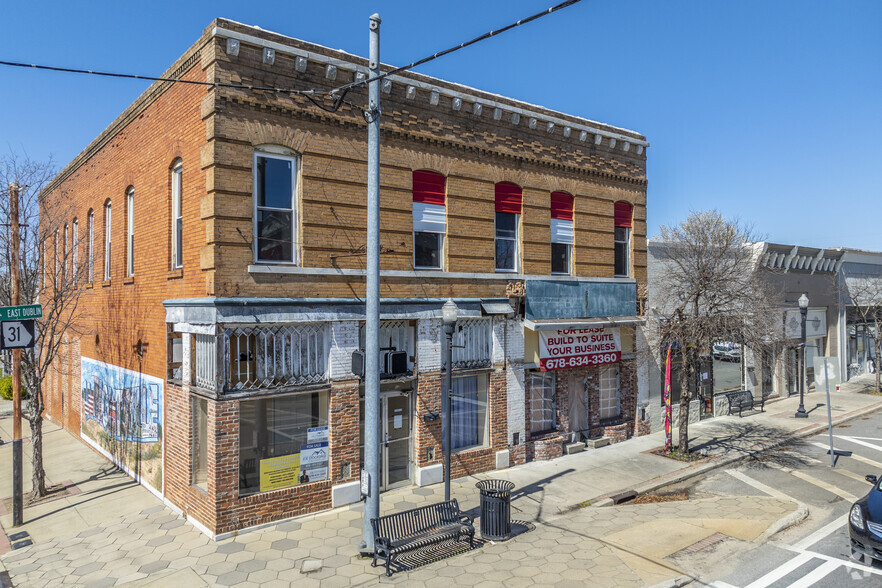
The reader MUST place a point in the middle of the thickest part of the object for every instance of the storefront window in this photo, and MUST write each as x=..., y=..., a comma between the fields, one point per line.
x=469, y=412
x=541, y=402
x=283, y=442
x=609, y=392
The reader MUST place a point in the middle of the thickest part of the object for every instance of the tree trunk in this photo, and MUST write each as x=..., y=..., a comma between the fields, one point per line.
x=685, y=397
x=35, y=420
x=876, y=363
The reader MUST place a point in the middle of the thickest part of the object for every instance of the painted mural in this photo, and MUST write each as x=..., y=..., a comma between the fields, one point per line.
x=122, y=418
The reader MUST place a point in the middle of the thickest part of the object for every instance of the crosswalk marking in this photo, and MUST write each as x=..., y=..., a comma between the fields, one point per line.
x=781, y=571
x=859, y=442
x=807, y=542
x=854, y=456
x=845, y=562
x=816, y=575
x=759, y=485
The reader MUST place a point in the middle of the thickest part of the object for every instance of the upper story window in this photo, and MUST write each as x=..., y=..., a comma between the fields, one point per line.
x=65, y=253
x=429, y=220
x=508, y=215
x=90, y=245
x=177, y=217
x=75, y=250
x=57, y=258
x=107, y=241
x=275, y=210
x=623, y=238
x=130, y=231
x=561, y=233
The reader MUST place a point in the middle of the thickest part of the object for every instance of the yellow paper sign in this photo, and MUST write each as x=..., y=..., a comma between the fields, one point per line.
x=279, y=472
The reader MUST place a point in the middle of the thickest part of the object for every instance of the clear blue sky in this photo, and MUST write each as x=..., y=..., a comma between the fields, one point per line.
x=770, y=111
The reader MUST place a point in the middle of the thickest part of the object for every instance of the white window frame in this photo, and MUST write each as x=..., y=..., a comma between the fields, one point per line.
x=283, y=154
x=627, y=244
x=108, y=239
x=553, y=377
x=177, y=215
x=90, y=259
x=609, y=393
x=130, y=232
x=65, y=252
x=569, y=270
x=517, y=239
x=440, y=238
x=482, y=387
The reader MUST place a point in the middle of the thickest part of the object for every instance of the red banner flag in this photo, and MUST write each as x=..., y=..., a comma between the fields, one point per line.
x=668, y=412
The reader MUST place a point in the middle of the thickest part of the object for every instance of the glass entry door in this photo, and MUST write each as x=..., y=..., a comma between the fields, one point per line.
x=396, y=465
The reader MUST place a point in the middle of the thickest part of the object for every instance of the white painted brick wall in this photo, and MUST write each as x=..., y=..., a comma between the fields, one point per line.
x=516, y=401
x=344, y=340
x=429, y=345
x=515, y=342
x=187, y=351
x=498, y=351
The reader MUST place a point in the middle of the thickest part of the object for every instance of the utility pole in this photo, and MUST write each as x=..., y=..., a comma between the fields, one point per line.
x=372, y=298
x=15, y=300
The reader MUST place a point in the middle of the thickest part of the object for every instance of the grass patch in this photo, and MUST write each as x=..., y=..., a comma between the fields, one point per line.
x=656, y=498
x=677, y=455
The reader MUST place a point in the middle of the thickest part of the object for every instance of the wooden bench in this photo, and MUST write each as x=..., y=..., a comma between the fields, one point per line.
x=743, y=400
x=419, y=527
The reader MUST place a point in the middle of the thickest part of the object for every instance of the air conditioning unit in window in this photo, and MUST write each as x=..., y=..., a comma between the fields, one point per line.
x=396, y=363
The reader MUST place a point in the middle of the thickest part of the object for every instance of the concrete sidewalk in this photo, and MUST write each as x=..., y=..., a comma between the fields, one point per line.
x=111, y=531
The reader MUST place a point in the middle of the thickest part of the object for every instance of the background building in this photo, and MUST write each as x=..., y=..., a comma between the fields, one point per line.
x=224, y=231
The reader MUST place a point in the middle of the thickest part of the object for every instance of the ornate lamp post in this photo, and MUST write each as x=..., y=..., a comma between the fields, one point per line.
x=803, y=309
x=448, y=318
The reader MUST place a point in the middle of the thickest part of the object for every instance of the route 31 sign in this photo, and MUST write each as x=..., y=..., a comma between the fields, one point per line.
x=17, y=334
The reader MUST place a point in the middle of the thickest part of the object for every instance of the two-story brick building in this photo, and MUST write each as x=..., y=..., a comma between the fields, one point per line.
x=224, y=233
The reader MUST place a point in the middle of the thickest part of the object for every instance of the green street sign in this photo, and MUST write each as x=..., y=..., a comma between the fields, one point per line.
x=17, y=313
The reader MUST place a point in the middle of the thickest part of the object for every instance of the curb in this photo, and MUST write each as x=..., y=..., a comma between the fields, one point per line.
x=674, y=582
x=687, y=473
x=800, y=514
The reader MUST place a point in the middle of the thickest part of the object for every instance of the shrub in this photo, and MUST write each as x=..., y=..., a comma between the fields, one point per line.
x=6, y=389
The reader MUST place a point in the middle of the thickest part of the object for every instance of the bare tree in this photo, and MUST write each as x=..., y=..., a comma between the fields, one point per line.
x=863, y=294
x=708, y=289
x=52, y=274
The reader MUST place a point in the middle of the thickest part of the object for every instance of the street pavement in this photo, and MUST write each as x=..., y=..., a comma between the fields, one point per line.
x=568, y=531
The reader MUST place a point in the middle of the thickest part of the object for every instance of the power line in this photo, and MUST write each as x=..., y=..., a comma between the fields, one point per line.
x=346, y=87
x=157, y=79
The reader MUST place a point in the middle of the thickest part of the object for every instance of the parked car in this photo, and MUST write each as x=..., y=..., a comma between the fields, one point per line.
x=726, y=352
x=865, y=524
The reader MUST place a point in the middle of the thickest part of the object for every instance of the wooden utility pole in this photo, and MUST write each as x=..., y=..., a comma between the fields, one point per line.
x=15, y=300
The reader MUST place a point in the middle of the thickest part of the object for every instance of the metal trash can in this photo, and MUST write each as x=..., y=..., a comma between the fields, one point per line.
x=495, y=509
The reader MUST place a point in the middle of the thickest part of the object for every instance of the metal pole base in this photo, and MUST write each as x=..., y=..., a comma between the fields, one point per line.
x=17, y=515
x=801, y=413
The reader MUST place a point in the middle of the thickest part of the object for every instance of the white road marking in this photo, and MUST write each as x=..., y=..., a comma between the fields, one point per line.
x=721, y=584
x=781, y=571
x=859, y=442
x=759, y=485
x=845, y=562
x=854, y=456
x=864, y=438
x=816, y=575
x=819, y=483
x=827, y=529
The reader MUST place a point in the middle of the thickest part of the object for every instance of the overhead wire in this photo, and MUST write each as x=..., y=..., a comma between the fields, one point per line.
x=338, y=94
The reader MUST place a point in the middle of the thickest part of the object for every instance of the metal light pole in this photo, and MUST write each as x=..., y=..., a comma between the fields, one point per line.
x=803, y=309
x=448, y=318
x=372, y=299
x=15, y=300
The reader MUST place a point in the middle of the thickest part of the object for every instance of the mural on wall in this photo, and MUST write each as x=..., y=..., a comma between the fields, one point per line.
x=122, y=417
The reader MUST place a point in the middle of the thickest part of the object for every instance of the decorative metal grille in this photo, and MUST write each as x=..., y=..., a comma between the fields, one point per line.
x=472, y=343
x=397, y=334
x=282, y=355
x=206, y=361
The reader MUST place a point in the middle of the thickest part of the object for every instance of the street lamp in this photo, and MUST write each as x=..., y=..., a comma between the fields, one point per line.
x=448, y=318
x=803, y=309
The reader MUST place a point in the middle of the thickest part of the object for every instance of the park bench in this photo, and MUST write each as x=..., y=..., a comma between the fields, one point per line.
x=743, y=400
x=419, y=527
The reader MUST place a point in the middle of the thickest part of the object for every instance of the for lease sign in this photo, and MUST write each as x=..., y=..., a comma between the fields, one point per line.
x=579, y=347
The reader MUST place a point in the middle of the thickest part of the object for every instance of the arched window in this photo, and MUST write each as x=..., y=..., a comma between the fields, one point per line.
x=429, y=220
x=622, y=239
x=90, y=245
x=561, y=233
x=107, y=241
x=508, y=215
x=177, y=217
x=275, y=204
x=130, y=231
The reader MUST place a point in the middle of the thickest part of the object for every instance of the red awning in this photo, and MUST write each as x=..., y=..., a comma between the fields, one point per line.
x=623, y=214
x=508, y=198
x=562, y=206
x=428, y=187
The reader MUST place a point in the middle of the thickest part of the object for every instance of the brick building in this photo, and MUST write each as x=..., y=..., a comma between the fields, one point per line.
x=224, y=233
